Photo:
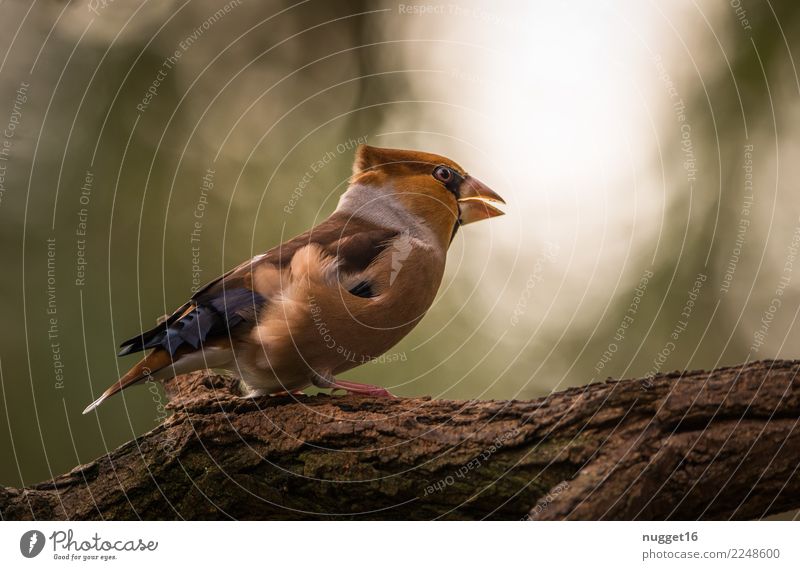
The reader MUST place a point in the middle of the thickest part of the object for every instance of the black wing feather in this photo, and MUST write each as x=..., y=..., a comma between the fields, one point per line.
x=209, y=318
x=228, y=301
x=363, y=289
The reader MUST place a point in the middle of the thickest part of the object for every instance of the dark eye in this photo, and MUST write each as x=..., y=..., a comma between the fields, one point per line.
x=443, y=174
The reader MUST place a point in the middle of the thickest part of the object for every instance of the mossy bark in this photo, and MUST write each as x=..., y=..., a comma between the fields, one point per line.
x=693, y=445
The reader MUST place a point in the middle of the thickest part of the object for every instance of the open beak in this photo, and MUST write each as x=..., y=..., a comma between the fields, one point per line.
x=474, y=201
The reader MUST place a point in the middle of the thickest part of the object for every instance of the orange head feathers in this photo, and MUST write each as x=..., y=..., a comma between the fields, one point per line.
x=431, y=187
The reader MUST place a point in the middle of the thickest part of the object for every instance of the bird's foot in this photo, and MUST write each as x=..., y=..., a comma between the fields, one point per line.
x=352, y=387
x=253, y=394
x=361, y=389
x=287, y=393
x=261, y=393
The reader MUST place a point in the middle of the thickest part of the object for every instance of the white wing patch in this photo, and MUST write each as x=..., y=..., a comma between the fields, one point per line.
x=401, y=248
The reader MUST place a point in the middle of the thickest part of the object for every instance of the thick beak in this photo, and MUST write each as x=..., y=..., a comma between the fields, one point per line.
x=474, y=199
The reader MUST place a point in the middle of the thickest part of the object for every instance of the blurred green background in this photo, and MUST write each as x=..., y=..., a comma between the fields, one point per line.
x=647, y=151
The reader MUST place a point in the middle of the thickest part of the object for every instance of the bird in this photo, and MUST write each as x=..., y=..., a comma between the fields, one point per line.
x=337, y=296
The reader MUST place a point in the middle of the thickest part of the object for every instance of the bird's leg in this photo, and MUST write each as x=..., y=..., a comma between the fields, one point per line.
x=253, y=393
x=288, y=393
x=328, y=381
x=364, y=389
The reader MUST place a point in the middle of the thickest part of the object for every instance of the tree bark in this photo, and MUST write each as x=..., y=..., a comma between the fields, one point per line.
x=694, y=445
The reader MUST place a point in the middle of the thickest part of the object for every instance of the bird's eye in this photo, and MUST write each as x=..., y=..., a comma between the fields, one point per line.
x=443, y=174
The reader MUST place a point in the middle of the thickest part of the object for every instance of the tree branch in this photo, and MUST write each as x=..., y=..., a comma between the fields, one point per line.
x=693, y=445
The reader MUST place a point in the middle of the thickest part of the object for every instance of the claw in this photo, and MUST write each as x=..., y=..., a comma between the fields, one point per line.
x=286, y=393
x=361, y=389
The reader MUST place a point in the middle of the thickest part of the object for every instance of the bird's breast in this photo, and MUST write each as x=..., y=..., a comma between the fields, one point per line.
x=314, y=326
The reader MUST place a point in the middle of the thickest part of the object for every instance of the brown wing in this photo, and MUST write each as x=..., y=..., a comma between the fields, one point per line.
x=353, y=241
x=233, y=299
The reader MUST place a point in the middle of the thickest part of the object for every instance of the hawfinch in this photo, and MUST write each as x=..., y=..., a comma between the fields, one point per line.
x=337, y=296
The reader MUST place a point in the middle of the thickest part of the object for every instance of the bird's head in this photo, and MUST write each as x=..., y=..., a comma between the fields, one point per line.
x=391, y=183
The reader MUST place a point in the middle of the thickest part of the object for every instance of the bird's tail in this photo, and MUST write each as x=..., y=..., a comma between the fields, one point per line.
x=147, y=366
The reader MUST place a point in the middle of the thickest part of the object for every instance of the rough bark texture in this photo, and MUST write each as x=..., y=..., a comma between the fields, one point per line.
x=693, y=445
